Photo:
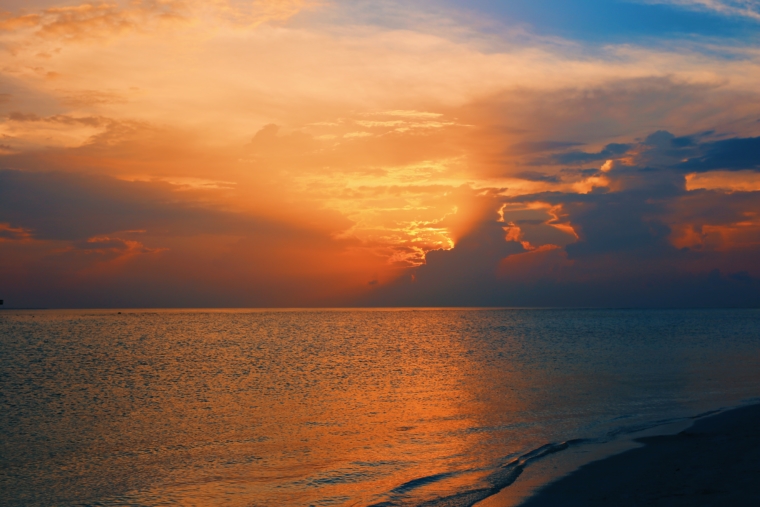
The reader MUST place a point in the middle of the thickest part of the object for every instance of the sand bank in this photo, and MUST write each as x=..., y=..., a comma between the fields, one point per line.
x=715, y=462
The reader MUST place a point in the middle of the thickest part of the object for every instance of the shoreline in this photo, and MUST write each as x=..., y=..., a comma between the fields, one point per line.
x=715, y=461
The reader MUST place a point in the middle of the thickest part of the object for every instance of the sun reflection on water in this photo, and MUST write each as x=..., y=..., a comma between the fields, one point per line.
x=319, y=407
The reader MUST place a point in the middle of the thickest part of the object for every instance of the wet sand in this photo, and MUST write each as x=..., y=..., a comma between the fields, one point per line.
x=715, y=462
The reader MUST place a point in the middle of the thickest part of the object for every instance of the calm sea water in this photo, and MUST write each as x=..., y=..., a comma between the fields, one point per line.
x=339, y=408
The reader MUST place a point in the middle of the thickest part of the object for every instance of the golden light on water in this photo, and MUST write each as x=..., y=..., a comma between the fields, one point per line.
x=340, y=407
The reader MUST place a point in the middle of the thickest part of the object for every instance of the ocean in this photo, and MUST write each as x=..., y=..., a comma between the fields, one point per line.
x=386, y=407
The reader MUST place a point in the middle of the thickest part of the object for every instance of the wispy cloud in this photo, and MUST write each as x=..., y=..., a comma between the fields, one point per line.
x=108, y=19
x=744, y=8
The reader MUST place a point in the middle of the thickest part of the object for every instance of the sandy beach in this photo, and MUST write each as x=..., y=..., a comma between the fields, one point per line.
x=715, y=462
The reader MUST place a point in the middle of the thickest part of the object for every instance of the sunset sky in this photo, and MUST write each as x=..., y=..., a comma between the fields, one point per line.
x=287, y=153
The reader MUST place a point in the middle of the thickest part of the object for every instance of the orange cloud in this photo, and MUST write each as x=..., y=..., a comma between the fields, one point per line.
x=8, y=233
x=730, y=181
x=92, y=20
x=110, y=19
x=743, y=235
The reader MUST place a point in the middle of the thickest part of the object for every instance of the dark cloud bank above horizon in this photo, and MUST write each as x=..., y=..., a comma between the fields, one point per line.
x=643, y=241
x=641, y=238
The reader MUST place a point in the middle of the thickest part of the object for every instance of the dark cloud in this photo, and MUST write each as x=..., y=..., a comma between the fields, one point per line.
x=537, y=176
x=729, y=155
x=639, y=238
x=610, y=151
x=65, y=206
x=698, y=153
x=616, y=223
x=642, y=240
x=105, y=243
x=76, y=240
x=580, y=172
x=633, y=288
x=465, y=274
x=541, y=146
x=477, y=255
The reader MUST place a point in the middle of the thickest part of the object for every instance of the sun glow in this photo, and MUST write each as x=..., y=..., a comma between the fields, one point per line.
x=312, y=147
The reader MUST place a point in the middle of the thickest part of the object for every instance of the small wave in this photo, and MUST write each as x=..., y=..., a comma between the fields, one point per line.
x=708, y=413
x=508, y=472
x=502, y=476
x=422, y=481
